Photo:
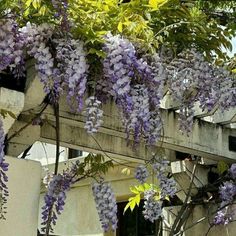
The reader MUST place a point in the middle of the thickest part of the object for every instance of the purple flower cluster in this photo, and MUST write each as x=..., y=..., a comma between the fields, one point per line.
x=73, y=67
x=55, y=197
x=167, y=185
x=118, y=64
x=136, y=85
x=93, y=115
x=106, y=205
x=152, y=207
x=61, y=7
x=37, y=38
x=192, y=79
x=228, y=94
x=155, y=128
x=139, y=117
x=141, y=173
x=153, y=199
x=156, y=81
x=104, y=89
x=11, y=46
x=232, y=171
x=3, y=177
x=227, y=192
x=222, y=218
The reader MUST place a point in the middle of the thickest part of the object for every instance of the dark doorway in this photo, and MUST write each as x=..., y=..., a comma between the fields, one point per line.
x=133, y=223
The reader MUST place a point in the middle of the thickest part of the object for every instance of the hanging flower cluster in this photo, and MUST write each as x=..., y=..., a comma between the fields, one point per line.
x=153, y=198
x=3, y=176
x=136, y=86
x=227, y=194
x=71, y=58
x=167, y=185
x=12, y=42
x=192, y=79
x=106, y=205
x=141, y=173
x=222, y=217
x=152, y=207
x=54, y=199
x=36, y=43
x=93, y=115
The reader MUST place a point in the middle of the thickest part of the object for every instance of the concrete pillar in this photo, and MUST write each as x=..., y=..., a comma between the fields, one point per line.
x=23, y=202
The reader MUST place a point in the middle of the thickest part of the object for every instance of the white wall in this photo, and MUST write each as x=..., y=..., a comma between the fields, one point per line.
x=22, y=207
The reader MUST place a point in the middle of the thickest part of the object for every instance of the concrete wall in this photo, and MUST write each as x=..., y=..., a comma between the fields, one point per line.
x=22, y=207
x=80, y=217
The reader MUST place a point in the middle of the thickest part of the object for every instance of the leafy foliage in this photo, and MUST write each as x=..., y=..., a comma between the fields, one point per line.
x=173, y=23
x=139, y=190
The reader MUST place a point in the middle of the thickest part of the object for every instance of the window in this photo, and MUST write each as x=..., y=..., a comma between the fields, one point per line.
x=72, y=153
x=133, y=223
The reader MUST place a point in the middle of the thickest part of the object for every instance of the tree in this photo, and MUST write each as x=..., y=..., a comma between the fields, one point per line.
x=137, y=48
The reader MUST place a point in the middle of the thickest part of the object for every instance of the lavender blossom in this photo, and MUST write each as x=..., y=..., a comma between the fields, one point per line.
x=61, y=7
x=73, y=69
x=139, y=116
x=232, y=171
x=222, y=218
x=141, y=173
x=37, y=38
x=154, y=127
x=93, y=115
x=106, y=205
x=152, y=208
x=118, y=69
x=227, y=192
x=167, y=185
x=11, y=46
x=3, y=176
x=192, y=79
x=118, y=64
x=55, y=197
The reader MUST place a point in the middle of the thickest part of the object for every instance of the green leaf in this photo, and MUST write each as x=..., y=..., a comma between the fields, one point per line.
x=133, y=201
x=125, y=171
x=120, y=27
x=28, y=3
x=36, y=3
x=156, y=3
x=146, y=186
x=141, y=188
x=127, y=206
x=134, y=190
x=99, y=53
x=222, y=167
x=4, y=113
x=43, y=10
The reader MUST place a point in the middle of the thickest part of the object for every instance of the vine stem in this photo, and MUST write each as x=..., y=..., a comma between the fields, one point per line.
x=57, y=128
x=27, y=124
x=56, y=111
x=179, y=219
